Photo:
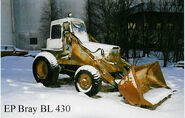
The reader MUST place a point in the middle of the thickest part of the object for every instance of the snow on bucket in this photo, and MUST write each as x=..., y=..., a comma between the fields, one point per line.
x=144, y=85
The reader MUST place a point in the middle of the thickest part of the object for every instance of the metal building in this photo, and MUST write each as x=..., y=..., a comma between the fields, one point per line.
x=20, y=21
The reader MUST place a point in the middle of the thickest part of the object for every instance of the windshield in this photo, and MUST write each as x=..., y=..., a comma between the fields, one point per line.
x=80, y=31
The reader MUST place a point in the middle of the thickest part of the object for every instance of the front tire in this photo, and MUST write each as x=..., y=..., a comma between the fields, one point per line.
x=87, y=80
x=45, y=69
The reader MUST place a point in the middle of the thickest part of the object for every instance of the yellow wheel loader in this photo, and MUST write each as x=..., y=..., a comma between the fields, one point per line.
x=71, y=51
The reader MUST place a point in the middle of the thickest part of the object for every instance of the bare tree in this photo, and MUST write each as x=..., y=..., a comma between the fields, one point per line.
x=93, y=19
x=169, y=34
x=148, y=31
x=122, y=14
x=49, y=13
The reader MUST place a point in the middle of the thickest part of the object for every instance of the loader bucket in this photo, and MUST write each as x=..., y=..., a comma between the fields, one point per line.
x=144, y=85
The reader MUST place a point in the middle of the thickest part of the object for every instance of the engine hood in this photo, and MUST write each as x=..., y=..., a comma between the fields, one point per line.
x=92, y=46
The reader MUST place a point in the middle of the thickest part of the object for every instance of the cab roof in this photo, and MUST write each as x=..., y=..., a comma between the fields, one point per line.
x=61, y=21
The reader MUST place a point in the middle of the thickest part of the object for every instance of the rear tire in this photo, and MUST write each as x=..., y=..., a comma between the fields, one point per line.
x=87, y=80
x=46, y=69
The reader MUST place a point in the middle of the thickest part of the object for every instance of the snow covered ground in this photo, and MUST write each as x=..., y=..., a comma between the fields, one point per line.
x=18, y=87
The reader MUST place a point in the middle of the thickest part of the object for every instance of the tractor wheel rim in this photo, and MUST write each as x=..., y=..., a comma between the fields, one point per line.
x=42, y=69
x=85, y=81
